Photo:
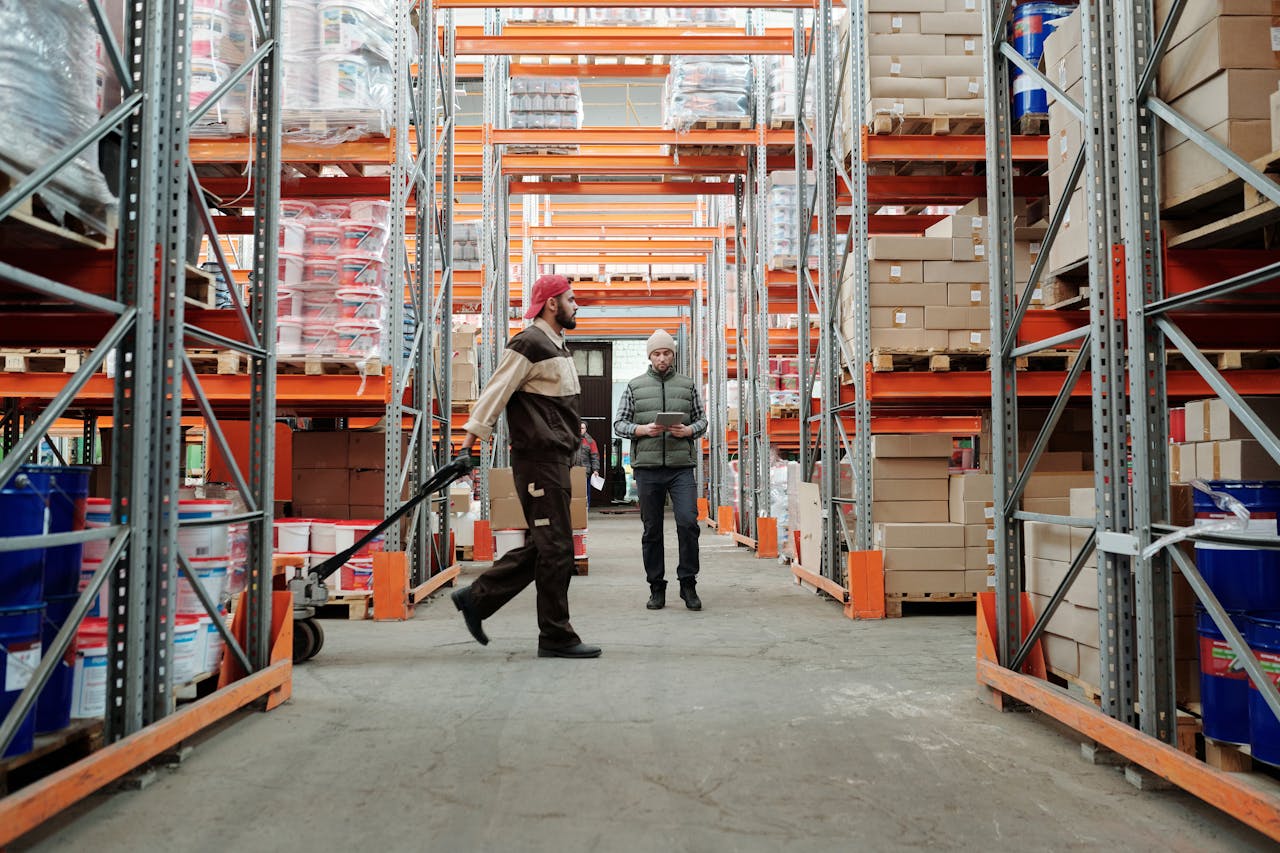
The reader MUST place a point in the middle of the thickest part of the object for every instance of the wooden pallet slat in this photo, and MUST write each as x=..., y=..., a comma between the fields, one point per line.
x=351, y=605
x=893, y=602
x=41, y=360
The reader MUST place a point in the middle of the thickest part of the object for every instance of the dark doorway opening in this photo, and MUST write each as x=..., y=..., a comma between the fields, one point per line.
x=595, y=374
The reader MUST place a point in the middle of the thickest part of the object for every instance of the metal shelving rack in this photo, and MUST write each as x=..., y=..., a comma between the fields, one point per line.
x=148, y=334
x=1125, y=335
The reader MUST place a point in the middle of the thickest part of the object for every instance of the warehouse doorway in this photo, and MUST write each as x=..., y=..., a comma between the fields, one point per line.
x=595, y=373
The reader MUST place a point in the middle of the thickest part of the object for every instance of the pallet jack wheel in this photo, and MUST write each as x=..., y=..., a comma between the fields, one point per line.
x=319, y=632
x=305, y=640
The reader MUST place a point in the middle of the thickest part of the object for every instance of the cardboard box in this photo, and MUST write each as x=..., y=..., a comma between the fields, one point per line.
x=1222, y=43
x=1084, y=592
x=950, y=23
x=903, y=44
x=978, y=581
x=505, y=511
x=309, y=509
x=367, y=449
x=924, y=536
x=320, y=450
x=1043, y=577
x=893, y=272
x=1066, y=36
x=1182, y=463
x=1224, y=425
x=920, y=583
x=941, y=317
x=964, y=488
x=1196, y=15
x=894, y=247
x=979, y=559
x=908, y=339
x=959, y=88
x=893, y=512
x=909, y=469
x=1082, y=503
x=1275, y=120
x=973, y=339
x=954, y=106
x=578, y=498
x=1047, y=506
x=1080, y=535
x=460, y=497
x=909, y=490
x=321, y=485
x=897, y=318
x=1072, y=244
x=923, y=560
x=1186, y=166
x=1066, y=137
x=1090, y=666
x=1057, y=484
x=961, y=295
x=895, y=106
x=1068, y=70
x=1062, y=461
x=962, y=45
x=898, y=6
x=907, y=295
x=1236, y=93
x=959, y=225
x=1060, y=654
x=1197, y=420
x=971, y=512
x=953, y=272
x=893, y=22
x=907, y=87
x=888, y=446
x=1239, y=459
x=366, y=487
x=979, y=535
x=1047, y=541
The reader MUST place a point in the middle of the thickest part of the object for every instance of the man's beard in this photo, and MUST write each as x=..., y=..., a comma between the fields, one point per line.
x=566, y=318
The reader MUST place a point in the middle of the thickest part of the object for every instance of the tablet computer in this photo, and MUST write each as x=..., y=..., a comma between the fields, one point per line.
x=670, y=419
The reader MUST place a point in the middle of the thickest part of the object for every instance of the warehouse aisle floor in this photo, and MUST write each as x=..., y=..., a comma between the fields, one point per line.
x=767, y=722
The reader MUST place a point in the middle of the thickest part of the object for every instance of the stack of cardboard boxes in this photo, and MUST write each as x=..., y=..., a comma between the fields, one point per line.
x=930, y=293
x=1219, y=72
x=1219, y=447
x=925, y=61
x=506, y=512
x=339, y=475
x=1063, y=63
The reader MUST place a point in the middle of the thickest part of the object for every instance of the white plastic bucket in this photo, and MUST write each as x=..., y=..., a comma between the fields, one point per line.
x=293, y=236
x=89, y=681
x=332, y=210
x=580, y=544
x=299, y=84
x=203, y=541
x=213, y=648
x=506, y=540
x=101, y=605
x=319, y=338
x=358, y=337
x=212, y=573
x=292, y=267
x=347, y=533
x=206, y=76
x=360, y=235
x=293, y=534
x=361, y=303
x=297, y=209
x=202, y=641
x=360, y=574
x=289, y=335
x=370, y=210
x=345, y=25
x=321, y=303
x=324, y=536
x=323, y=241
x=185, y=661
x=342, y=82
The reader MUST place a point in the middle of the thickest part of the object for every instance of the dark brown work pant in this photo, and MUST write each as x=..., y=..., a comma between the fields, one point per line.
x=545, y=559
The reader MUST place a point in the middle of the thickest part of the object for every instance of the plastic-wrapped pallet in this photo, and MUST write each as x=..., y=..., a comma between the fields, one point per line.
x=221, y=42
x=620, y=17
x=466, y=245
x=782, y=91
x=545, y=103
x=48, y=97
x=708, y=89
x=337, y=70
x=782, y=245
x=542, y=15
x=332, y=291
x=702, y=17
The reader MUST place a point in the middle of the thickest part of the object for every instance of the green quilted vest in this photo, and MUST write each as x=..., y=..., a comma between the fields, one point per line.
x=655, y=394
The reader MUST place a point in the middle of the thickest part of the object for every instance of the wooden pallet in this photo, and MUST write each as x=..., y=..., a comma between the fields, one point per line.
x=784, y=411
x=51, y=753
x=1091, y=691
x=219, y=362
x=41, y=360
x=366, y=123
x=1222, y=212
x=31, y=225
x=892, y=125
x=1033, y=124
x=1231, y=757
x=580, y=566
x=674, y=277
x=200, y=686
x=1050, y=360
x=352, y=606
x=743, y=123
x=893, y=602
x=628, y=277
x=778, y=123
x=890, y=361
x=325, y=365
x=201, y=289
x=577, y=278
x=548, y=150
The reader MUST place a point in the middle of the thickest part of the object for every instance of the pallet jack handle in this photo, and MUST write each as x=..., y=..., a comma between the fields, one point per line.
x=437, y=482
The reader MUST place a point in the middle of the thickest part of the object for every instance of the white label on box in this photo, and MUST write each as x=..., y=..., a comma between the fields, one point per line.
x=900, y=107
x=970, y=45
x=1033, y=249
x=1062, y=143
x=1062, y=74
x=1037, y=295
x=975, y=295
x=975, y=337
x=979, y=250
x=989, y=511
x=895, y=272
x=991, y=559
x=1275, y=39
x=973, y=87
x=20, y=666
x=977, y=223
x=895, y=68
x=991, y=581
x=900, y=318
x=896, y=23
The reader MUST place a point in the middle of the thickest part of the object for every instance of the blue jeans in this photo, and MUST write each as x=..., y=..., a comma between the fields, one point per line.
x=654, y=485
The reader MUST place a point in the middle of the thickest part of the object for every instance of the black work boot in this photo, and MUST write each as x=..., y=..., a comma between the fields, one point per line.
x=657, y=596
x=689, y=592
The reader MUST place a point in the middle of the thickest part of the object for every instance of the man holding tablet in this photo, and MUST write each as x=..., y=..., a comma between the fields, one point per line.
x=661, y=412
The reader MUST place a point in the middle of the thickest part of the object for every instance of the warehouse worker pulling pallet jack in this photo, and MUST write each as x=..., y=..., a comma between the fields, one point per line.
x=537, y=384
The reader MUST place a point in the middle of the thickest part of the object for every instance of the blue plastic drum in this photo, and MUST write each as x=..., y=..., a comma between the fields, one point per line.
x=1264, y=727
x=1242, y=578
x=22, y=513
x=1032, y=24
x=67, y=488
x=53, y=708
x=19, y=657
x=1224, y=687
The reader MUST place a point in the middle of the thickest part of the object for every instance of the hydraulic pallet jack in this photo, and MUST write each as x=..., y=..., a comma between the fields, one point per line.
x=308, y=585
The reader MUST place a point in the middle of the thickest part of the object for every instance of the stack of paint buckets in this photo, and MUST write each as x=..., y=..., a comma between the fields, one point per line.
x=1246, y=582
x=38, y=589
x=1032, y=23
x=318, y=539
x=197, y=645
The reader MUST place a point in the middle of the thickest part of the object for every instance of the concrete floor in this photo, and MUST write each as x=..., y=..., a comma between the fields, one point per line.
x=766, y=722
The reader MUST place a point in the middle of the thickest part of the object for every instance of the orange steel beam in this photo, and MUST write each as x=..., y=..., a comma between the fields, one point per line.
x=625, y=4
x=946, y=148
x=604, y=256
x=572, y=41
x=639, y=136
x=587, y=164
x=681, y=188
x=688, y=232
x=26, y=809
x=611, y=244
x=1230, y=792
